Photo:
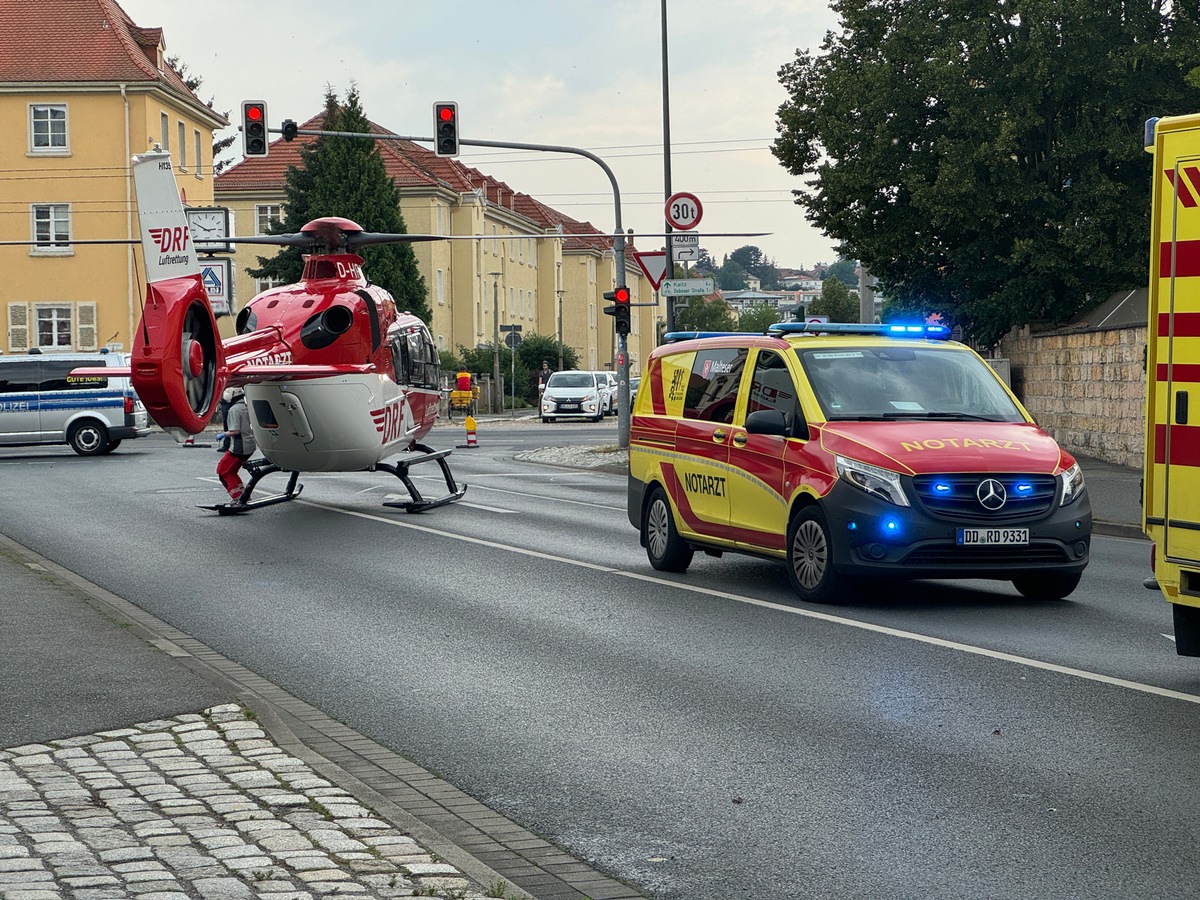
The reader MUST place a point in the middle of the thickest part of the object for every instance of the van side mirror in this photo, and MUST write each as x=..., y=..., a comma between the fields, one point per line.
x=772, y=421
x=767, y=421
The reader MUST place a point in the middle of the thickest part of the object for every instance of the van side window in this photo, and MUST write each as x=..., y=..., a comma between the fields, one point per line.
x=20, y=377
x=56, y=376
x=713, y=386
x=772, y=387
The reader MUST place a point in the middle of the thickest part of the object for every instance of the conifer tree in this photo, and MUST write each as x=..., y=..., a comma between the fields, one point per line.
x=346, y=177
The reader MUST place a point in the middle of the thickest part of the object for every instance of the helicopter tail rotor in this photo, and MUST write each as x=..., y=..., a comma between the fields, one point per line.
x=178, y=366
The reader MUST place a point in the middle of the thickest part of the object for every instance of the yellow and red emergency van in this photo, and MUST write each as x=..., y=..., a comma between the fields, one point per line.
x=1171, y=480
x=851, y=452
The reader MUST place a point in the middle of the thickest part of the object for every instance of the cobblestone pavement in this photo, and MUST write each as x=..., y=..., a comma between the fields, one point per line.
x=198, y=806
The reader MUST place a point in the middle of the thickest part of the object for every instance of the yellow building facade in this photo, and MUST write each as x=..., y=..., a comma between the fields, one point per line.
x=73, y=124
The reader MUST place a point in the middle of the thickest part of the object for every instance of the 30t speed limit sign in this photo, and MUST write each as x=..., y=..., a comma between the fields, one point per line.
x=683, y=211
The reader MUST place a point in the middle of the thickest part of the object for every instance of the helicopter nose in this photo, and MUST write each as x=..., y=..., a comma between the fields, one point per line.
x=195, y=359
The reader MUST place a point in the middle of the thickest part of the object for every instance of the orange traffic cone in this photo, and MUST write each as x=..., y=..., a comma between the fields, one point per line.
x=471, y=439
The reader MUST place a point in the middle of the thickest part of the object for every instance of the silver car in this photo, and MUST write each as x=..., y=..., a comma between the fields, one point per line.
x=573, y=395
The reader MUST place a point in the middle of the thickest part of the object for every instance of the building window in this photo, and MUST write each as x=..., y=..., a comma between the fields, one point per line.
x=48, y=129
x=51, y=227
x=441, y=288
x=196, y=147
x=265, y=284
x=54, y=325
x=182, y=146
x=267, y=215
x=164, y=128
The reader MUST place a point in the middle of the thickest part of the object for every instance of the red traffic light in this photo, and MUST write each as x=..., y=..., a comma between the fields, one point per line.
x=621, y=295
x=254, y=113
x=445, y=125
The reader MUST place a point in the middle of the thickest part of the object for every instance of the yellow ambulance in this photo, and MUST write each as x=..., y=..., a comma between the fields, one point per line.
x=851, y=452
x=1171, y=482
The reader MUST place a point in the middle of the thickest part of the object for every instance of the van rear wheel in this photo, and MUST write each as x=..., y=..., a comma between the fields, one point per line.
x=112, y=445
x=810, y=558
x=666, y=550
x=88, y=438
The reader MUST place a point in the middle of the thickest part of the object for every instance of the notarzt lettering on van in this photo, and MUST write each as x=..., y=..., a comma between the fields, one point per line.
x=710, y=485
x=963, y=444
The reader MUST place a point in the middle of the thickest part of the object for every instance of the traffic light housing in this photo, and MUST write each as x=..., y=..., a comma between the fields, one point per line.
x=254, y=128
x=620, y=308
x=445, y=129
x=289, y=129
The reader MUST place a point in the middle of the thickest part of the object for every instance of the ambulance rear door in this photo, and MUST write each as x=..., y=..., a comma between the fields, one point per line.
x=1174, y=352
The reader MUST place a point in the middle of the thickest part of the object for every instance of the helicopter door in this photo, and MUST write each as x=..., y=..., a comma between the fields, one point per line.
x=401, y=360
x=424, y=370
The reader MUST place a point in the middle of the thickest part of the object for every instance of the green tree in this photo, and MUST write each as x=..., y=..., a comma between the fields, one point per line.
x=985, y=158
x=846, y=270
x=731, y=276
x=533, y=349
x=753, y=260
x=835, y=301
x=345, y=176
x=758, y=317
x=703, y=314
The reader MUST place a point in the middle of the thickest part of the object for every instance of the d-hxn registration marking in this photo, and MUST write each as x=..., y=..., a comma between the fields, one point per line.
x=993, y=535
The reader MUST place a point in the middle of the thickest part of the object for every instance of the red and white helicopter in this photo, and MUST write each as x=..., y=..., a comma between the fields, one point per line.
x=336, y=378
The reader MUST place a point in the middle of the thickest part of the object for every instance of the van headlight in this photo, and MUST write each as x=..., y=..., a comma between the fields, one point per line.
x=872, y=479
x=1072, y=482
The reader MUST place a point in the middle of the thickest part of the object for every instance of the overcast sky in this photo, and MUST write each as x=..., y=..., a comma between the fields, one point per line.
x=578, y=73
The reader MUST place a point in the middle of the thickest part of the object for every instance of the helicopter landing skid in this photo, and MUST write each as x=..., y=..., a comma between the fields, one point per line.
x=258, y=469
x=418, y=502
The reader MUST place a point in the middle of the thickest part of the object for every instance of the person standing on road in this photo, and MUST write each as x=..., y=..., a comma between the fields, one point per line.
x=241, y=445
x=543, y=376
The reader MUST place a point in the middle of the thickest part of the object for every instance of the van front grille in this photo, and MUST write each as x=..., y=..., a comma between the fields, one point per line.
x=956, y=497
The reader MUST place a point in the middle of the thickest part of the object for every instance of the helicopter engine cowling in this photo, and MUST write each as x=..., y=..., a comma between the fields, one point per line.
x=178, y=365
x=325, y=327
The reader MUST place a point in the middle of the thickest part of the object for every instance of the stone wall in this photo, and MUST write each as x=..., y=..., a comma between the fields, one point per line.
x=1085, y=387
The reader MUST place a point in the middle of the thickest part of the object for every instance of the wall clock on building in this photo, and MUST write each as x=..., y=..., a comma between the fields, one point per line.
x=208, y=224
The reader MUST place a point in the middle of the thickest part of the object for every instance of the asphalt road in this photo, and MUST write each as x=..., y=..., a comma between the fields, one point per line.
x=698, y=735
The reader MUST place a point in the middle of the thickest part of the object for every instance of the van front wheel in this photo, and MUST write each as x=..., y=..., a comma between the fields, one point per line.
x=88, y=438
x=666, y=550
x=810, y=558
x=1048, y=586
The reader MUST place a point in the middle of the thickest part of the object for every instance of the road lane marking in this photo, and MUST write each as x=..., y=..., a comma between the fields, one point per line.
x=1026, y=661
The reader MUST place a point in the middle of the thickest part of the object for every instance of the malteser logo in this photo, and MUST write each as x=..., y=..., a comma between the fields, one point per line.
x=170, y=240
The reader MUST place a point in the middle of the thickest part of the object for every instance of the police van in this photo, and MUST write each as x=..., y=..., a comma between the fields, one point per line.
x=41, y=402
x=852, y=452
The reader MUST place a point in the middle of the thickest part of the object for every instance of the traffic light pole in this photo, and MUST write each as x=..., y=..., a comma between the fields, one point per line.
x=618, y=235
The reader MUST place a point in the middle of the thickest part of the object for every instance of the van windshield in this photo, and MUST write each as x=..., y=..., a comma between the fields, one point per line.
x=905, y=381
x=571, y=380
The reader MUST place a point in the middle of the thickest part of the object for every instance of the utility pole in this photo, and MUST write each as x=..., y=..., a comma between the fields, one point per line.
x=497, y=396
x=560, y=293
x=670, y=272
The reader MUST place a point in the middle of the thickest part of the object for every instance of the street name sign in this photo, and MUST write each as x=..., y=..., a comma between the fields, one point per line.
x=688, y=287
